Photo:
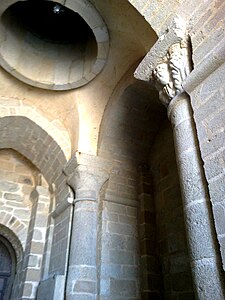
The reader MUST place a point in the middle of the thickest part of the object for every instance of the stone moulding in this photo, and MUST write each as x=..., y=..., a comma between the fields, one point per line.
x=39, y=64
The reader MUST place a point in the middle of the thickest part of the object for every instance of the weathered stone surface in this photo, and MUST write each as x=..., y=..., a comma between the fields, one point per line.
x=204, y=282
x=8, y=186
x=15, y=197
x=133, y=223
x=84, y=286
x=125, y=288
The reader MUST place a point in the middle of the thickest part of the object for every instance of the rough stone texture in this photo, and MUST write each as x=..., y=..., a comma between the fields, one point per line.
x=87, y=179
x=210, y=128
x=196, y=203
x=31, y=272
x=35, y=144
x=17, y=180
x=60, y=240
x=52, y=288
x=119, y=244
x=151, y=279
x=140, y=248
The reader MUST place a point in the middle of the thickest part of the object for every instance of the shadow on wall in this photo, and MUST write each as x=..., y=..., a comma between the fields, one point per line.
x=131, y=121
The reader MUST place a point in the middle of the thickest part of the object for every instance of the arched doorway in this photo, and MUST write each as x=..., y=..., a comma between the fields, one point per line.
x=7, y=268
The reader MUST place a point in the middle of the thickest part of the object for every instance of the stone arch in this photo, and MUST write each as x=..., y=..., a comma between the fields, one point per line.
x=136, y=132
x=13, y=224
x=29, y=139
x=55, y=129
x=9, y=267
x=132, y=116
x=133, y=122
x=16, y=246
x=13, y=238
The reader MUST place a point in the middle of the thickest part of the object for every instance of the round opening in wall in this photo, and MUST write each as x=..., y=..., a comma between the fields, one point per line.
x=51, y=22
x=50, y=45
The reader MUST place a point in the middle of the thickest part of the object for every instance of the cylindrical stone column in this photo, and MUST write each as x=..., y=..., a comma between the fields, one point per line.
x=205, y=261
x=82, y=270
x=167, y=69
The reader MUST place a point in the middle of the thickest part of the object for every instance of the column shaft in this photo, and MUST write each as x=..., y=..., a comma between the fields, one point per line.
x=86, y=179
x=82, y=272
x=205, y=262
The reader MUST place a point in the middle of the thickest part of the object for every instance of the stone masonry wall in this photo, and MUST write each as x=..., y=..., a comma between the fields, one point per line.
x=206, y=88
x=60, y=242
x=204, y=19
x=25, y=215
x=13, y=107
x=17, y=180
x=205, y=85
x=118, y=257
x=171, y=235
x=157, y=13
x=209, y=113
x=128, y=129
x=35, y=245
x=206, y=28
x=151, y=279
x=29, y=139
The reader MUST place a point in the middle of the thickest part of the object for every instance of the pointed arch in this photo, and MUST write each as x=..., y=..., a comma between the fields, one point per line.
x=12, y=236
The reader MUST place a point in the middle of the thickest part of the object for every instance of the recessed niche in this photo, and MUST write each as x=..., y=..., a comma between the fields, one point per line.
x=50, y=45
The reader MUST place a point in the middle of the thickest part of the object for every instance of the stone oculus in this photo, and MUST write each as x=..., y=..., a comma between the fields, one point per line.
x=112, y=150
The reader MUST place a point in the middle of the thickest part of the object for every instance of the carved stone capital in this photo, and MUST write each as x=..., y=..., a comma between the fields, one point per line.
x=86, y=174
x=169, y=75
x=87, y=181
x=168, y=62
